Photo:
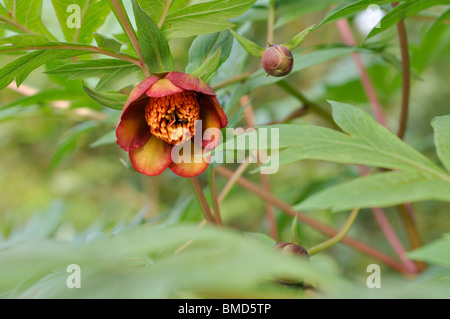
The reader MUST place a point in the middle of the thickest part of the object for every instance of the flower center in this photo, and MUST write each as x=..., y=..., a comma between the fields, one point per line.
x=172, y=118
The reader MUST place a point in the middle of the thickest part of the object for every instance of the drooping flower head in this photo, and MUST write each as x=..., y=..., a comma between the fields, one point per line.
x=163, y=113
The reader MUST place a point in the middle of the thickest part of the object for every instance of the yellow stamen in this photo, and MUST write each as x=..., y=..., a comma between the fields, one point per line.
x=172, y=118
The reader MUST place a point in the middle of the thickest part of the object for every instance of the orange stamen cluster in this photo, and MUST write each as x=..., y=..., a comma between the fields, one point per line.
x=172, y=118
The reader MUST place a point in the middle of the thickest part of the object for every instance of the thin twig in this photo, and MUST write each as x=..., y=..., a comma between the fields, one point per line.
x=164, y=15
x=125, y=22
x=202, y=200
x=215, y=198
x=270, y=22
x=338, y=237
x=232, y=180
x=325, y=229
x=15, y=24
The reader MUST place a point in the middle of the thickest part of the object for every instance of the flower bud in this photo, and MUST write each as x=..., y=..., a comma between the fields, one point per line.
x=293, y=250
x=277, y=60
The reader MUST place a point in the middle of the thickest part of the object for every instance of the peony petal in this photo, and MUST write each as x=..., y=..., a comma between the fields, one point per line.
x=163, y=88
x=210, y=122
x=189, y=82
x=140, y=89
x=152, y=158
x=211, y=101
x=189, y=168
x=133, y=131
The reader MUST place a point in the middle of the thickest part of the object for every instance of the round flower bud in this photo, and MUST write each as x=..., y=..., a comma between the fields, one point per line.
x=277, y=60
x=293, y=250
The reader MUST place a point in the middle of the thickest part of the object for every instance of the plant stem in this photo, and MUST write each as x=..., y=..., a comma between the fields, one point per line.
x=347, y=36
x=215, y=198
x=306, y=102
x=202, y=200
x=126, y=25
x=325, y=229
x=232, y=180
x=15, y=24
x=338, y=237
x=270, y=22
x=232, y=80
x=270, y=213
x=164, y=15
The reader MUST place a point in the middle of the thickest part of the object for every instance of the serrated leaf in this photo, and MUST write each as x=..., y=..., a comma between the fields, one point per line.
x=379, y=190
x=248, y=45
x=207, y=69
x=92, y=14
x=403, y=11
x=28, y=14
x=441, y=125
x=114, y=101
x=21, y=67
x=207, y=17
x=107, y=43
x=154, y=47
x=205, y=45
x=352, y=8
x=297, y=40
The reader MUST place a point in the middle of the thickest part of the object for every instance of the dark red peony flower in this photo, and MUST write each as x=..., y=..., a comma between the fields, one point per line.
x=162, y=113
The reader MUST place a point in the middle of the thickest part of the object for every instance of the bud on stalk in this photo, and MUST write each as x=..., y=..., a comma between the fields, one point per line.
x=277, y=60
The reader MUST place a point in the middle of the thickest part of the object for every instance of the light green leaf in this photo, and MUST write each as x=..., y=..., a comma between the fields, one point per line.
x=435, y=253
x=403, y=11
x=441, y=125
x=107, y=43
x=154, y=47
x=119, y=78
x=111, y=100
x=207, y=69
x=21, y=67
x=379, y=190
x=25, y=40
x=92, y=15
x=28, y=14
x=108, y=138
x=153, y=8
x=93, y=68
x=288, y=10
x=249, y=46
x=297, y=40
x=207, y=17
x=352, y=8
x=205, y=45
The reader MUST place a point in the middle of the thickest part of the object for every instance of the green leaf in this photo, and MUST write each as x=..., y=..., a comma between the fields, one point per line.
x=21, y=67
x=92, y=68
x=49, y=95
x=113, y=101
x=68, y=145
x=403, y=11
x=207, y=17
x=153, y=8
x=289, y=10
x=441, y=125
x=28, y=14
x=207, y=69
x=249, y=46
x=297, y=40
x=25, y=40
x=435, y=253
x=107, y=43
x=92, y=14
x=205, y=45
x=120, y=78
x=154, y=47
x=352, y=8
x=108, y=138
x=379, y=190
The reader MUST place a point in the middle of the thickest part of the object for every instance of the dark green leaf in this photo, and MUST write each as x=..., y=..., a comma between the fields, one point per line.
x=154, y=47
x=207, y=69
